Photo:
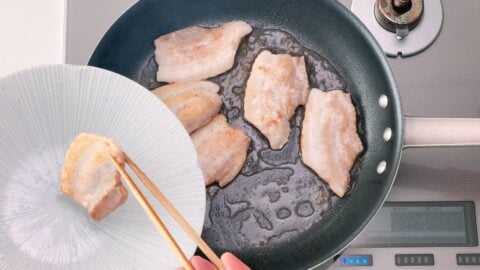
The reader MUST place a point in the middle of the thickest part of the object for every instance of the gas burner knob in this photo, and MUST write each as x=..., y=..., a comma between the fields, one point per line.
x=427, y=25
x=398, y=16
x=402, y=6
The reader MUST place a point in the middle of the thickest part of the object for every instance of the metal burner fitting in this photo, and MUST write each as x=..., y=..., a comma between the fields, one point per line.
x=399, y=16
x=426, y=31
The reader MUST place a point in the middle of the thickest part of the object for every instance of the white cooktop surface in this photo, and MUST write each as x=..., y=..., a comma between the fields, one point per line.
x=31, y=34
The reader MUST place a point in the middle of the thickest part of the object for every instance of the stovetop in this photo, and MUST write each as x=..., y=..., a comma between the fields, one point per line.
x=442, y=81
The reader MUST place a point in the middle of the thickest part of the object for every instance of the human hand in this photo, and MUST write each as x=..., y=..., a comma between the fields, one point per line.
x=229, y=261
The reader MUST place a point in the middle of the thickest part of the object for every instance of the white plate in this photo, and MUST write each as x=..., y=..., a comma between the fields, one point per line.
x=41, y=111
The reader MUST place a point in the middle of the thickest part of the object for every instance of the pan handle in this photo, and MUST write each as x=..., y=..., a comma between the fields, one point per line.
x=441, y=132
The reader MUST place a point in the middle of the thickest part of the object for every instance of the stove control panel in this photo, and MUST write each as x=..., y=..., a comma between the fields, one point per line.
x=414, y=259
x=417, y=235
x=468, y=259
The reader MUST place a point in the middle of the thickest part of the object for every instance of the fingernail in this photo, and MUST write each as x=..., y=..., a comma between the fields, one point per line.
x=200, y=263
x=233, y=263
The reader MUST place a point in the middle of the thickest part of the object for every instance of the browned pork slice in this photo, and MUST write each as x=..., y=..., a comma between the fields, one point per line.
x=221, y=150
x=330, y=143
x=196, y=53
x=91, y=178
x=194, y=103
x=277, y=85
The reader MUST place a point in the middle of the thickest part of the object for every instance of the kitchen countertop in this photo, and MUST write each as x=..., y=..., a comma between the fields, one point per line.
x=31, y=34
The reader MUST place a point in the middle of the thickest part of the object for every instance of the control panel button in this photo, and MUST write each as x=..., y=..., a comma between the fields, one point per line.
x=356, y=260
x=468, y=259
x=413, y=259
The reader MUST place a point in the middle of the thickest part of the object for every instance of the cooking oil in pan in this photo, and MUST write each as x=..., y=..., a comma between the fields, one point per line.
x=275, y=197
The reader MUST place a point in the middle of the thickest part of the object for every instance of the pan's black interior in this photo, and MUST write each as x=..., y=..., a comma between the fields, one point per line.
x=326, y=28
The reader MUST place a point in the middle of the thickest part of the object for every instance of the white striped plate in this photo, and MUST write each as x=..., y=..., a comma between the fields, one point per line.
x=41, y=111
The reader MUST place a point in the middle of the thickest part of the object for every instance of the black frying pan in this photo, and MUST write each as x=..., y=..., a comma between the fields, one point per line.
x=239, y=214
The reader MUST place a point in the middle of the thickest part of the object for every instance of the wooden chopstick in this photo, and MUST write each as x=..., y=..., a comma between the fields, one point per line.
x=174, y=212
x=154, y=217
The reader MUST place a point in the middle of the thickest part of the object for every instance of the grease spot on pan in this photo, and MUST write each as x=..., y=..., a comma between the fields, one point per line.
x=283, y=213
x=304, y=209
